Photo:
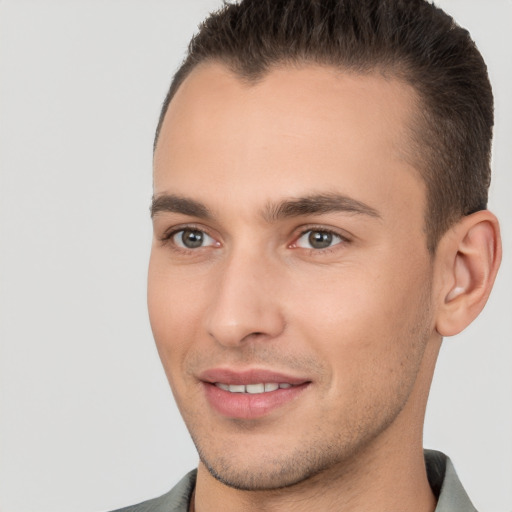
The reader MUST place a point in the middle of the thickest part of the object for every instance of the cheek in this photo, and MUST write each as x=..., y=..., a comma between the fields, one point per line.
x=367, y=323
x=174, y=305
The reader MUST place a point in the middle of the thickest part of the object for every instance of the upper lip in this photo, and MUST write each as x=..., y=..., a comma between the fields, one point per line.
x=249, y=376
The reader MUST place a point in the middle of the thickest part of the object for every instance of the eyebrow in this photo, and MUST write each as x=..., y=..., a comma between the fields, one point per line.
x=177, y=204
x=317, y=205
x=310, y=205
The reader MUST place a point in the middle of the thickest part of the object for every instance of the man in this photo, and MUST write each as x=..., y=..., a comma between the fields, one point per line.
x=320, y=186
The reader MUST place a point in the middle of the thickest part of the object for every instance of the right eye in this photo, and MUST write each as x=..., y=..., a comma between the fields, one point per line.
x=192, y=239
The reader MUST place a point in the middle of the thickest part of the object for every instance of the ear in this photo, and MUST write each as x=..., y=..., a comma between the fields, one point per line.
x=467, y=261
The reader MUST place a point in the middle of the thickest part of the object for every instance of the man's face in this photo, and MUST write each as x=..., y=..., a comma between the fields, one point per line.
x=289, y=249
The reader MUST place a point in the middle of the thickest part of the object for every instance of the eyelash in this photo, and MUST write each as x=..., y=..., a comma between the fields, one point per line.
x=166, y=238
x=320, y=229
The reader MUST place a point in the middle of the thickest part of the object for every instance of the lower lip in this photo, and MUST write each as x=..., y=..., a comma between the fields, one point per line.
x=250, y=406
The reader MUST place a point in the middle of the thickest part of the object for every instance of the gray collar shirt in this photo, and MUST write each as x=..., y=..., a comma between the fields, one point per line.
x=451, y=496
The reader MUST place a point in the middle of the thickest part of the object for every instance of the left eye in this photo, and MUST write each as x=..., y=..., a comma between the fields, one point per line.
x=318, y=239
x=192, y=239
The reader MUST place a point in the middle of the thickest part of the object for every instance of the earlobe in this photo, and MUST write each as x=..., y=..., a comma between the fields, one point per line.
x=472, y=255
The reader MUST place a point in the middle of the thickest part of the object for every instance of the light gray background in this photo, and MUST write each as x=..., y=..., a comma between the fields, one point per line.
x=87, y=422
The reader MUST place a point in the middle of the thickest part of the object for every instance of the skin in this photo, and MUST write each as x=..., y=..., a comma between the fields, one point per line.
x=361, y=320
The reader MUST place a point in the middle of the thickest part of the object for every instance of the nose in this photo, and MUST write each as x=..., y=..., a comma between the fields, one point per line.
x=245, y=303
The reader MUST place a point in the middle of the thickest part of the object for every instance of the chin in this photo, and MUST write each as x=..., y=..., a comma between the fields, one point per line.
x=268, y=470
x=252, y=479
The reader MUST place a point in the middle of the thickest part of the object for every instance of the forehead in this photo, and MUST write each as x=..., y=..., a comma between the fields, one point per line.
x=302, y=129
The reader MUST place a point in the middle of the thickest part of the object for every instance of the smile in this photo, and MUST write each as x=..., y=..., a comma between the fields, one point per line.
x=250, y=393
x=253, y=389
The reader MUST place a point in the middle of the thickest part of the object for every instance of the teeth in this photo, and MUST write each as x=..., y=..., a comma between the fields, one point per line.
x=253, y=388
x=236, y=388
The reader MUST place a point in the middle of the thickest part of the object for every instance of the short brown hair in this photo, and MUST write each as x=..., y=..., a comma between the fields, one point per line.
x=412, y=40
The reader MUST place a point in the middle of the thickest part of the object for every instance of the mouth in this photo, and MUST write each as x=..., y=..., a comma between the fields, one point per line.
x=253, y=389
x=250, y=394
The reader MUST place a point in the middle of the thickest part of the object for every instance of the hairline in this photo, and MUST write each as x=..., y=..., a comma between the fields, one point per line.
x=393, y=71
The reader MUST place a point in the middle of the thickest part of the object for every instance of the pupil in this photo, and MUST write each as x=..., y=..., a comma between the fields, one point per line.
x=320, y=239
x=192, y=239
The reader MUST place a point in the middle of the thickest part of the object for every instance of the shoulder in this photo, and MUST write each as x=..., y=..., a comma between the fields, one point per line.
x=176, y=500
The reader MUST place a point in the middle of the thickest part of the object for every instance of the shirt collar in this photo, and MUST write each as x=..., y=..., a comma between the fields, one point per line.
x=451, y=496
